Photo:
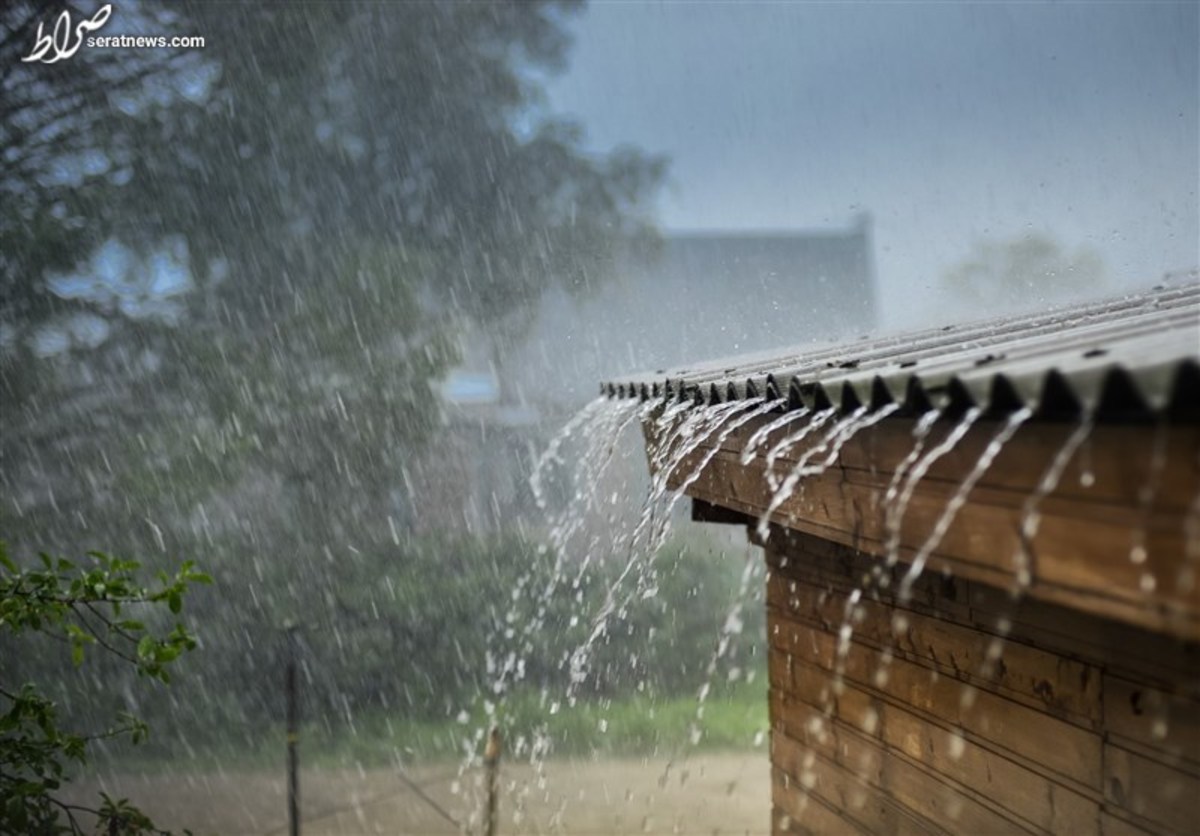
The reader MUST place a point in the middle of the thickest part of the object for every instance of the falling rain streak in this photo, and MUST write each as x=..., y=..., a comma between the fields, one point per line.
x=686, y=438
x=320, y=306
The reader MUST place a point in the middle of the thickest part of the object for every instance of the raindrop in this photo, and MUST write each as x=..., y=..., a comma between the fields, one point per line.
x=957, y=746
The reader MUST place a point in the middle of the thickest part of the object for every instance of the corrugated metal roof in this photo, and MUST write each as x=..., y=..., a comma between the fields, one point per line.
x=1136, y=354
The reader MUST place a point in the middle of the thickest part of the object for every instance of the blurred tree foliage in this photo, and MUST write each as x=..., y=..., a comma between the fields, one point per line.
x=229, y=281
x=295, y=137
x=66, y=146
x=337, y=187
x=1009, y=274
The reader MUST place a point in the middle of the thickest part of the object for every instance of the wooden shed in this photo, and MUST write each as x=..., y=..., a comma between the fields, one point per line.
x=983, y=608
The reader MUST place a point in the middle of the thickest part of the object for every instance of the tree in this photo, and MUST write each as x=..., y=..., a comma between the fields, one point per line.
x=385, y=168
x=1011, y=273
x=82, y=607
x=345, y=186
x=65, y=150
x=301, y=133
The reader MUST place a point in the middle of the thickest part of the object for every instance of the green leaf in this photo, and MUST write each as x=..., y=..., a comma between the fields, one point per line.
x=175, y=601
x=77, y=654
x=145, y=648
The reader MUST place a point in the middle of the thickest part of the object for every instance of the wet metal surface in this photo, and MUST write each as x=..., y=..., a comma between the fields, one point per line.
x=1121, y=357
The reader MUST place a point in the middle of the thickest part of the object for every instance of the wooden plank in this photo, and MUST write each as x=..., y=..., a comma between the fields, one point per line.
x=798, y=556
x=959, y=760
x=781, y=822
x=1117, y=458
x=1024, y=793
x=1065, y=558
x=811, y=774
x=1080, y=556
x=1165, y=725
x=1063, y=687
x=1151, y=790
x=1084, y=642
x=1139, y=693
x=799, y=811
x=1120, y=648
x=1113, y=825
x=1008, y=726
x=1020, y=789
x=986, y=530
x=779, y=669
x=910, y=785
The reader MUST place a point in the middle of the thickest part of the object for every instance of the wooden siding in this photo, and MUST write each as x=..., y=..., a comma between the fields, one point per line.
x=1081, y=725
x=1124, y=482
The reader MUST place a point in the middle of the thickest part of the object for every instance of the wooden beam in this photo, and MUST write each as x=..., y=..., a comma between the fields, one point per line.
x=1124, y=483
x=707, y=512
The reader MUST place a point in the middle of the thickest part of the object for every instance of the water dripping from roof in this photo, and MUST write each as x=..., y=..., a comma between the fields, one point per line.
x=895, y=519
x=959, y=498
x=696, y=427
x=1147, y=492
x=832, y=444
x=762, y=433
x=1031, y=518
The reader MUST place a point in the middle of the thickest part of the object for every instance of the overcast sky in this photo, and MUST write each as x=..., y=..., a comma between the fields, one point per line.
x=949, y=122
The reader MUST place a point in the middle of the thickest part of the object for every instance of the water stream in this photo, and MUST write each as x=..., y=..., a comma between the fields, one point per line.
x=703, y=424
x=897, y=496
x=1138, y=552
x=925, y=461
x=1024, y=560
x=762, y=433
x=818, y=420
x=959, y=498
x=684, y=439
x=833, y=442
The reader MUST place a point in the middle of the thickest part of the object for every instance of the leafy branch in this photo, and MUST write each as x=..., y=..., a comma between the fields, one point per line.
x=85, y=606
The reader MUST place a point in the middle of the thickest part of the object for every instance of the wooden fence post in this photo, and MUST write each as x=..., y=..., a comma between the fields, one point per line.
x=491, y=763
x=293, y=735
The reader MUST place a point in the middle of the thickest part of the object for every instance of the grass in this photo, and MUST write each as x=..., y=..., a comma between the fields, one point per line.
x=735, y=718
x=732, y=718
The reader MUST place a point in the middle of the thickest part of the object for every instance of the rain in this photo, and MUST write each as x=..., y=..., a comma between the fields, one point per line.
x=564, y=417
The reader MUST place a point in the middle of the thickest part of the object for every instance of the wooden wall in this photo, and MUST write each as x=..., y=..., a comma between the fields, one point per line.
x=1081, y=556
x=1081, y=725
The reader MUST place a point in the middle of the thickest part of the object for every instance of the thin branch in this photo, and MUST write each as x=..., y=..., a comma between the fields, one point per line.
x=108, y=734
x=70, y=809
x=100, y=639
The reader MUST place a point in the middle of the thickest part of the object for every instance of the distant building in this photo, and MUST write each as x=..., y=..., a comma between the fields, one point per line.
x=706, y=295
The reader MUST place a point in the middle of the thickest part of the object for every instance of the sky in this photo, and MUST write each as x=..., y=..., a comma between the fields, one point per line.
x=951, y=123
